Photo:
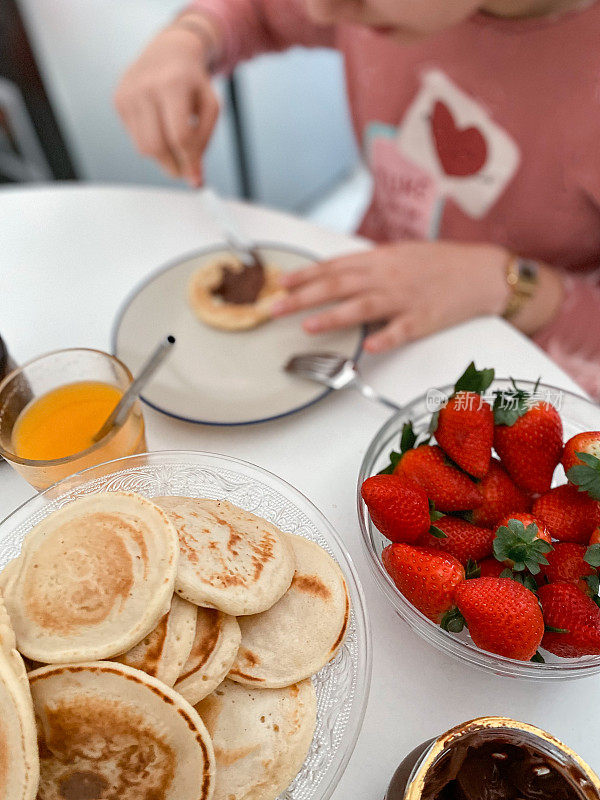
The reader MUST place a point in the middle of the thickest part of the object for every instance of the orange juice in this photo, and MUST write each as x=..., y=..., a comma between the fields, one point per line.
x=63, y=422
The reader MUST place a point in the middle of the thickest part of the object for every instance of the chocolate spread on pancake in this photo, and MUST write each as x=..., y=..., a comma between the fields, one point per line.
x=83, y=786
x=485, y=767
x=240, y=286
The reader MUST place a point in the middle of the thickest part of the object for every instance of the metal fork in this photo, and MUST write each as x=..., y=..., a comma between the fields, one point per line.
x=245, y=249
x=336, y=372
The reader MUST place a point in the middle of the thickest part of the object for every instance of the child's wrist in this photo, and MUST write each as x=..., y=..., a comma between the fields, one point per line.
x=204, y=33
x=535, y=293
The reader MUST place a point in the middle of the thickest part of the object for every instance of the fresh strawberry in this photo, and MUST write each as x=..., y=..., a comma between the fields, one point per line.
x=491, y=568
x=427, y=578
x=398, y=507
x=501, y=495
x=586, y=474
x=567, y=563
x=446, y=486
x=569, y=515
x=572, y=621
x=464, y=541
x=522, y=542
x=528, y=439
x=595, y=537
x=588, y=442
x=502, y=616
x=464, y=427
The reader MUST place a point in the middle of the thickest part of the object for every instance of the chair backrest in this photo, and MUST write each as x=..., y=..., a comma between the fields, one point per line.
x=32, y=147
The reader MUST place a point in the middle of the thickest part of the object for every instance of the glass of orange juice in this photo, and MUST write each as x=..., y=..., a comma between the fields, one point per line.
x=51, y=408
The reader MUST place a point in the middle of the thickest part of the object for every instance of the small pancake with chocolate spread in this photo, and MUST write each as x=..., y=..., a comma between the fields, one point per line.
x=213, y=652
x=303, y=631
x=106, y=730
x=19, y=762
x=229, y=559
x=261, y=737
x=164, y=651
x=226, y=294
x=93, y=578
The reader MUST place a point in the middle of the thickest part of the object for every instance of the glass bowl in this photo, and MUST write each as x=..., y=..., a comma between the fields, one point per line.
x=342, y=686
x=578, y=414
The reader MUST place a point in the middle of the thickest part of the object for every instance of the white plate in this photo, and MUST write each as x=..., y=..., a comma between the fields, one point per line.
x=221, y=377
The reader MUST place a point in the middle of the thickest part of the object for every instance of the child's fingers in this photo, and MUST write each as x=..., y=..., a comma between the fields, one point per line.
x=399, y=330
x=319, y=292
x=208, y=114
x=369, y=308
x=149, y=136
x=182, y=134
x=189, y=116
x=307, y=274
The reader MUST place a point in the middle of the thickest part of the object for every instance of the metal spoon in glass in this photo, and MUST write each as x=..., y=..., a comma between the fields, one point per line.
x=119, y=413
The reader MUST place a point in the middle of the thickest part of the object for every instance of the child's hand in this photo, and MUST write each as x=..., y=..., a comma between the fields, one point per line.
x=167, y=102
x=416, y=287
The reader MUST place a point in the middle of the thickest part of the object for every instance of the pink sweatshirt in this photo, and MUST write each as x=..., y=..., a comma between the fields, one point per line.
x=487, y=132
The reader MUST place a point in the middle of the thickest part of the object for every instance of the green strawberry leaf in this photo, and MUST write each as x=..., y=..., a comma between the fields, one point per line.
x=532, y=566
x=408, y=439
x=596, y=600
x=507, y=573
x=472, y=570
x=592, y=555
x=434, y=514
x=586, y=475
x=593, y=582
x=519, y=544
x=550, y=629
x=538, y=658
x=528, y=581
x=509, y=405
x=394, y=459
x=453, y=621
x=437, y=532
x=474, y=380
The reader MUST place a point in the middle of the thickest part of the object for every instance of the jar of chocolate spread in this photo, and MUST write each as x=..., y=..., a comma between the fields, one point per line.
x=494, y=758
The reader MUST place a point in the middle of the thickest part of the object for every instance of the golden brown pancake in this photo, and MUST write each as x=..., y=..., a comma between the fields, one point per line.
x=214, y=311
x=109, y=732
x=214, y=649
x=19, y=762
x=93, y=578
x=261, y=737
x=229, y=559
x=164, y=651
x=297, y=636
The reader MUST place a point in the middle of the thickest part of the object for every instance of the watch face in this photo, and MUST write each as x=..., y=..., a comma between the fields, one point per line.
x=529, y=270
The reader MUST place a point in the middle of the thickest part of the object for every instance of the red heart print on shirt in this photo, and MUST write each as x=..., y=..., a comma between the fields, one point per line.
x=462, y=151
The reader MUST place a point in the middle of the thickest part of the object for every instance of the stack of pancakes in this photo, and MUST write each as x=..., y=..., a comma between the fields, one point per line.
x=170, y=646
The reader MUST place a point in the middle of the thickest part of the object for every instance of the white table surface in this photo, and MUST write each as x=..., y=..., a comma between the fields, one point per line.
x=69, y=255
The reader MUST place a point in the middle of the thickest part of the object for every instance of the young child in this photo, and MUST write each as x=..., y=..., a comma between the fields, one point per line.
x=479, y=120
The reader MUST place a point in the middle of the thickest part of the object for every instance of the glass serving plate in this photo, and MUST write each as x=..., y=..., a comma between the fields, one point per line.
x=342, y=686
x=578, y=414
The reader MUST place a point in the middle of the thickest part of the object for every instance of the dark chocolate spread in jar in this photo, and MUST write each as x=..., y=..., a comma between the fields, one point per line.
x=494, y=759
x=240, y=286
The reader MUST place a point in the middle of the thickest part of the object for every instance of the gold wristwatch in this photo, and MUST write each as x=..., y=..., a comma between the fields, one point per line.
x=522, y=277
